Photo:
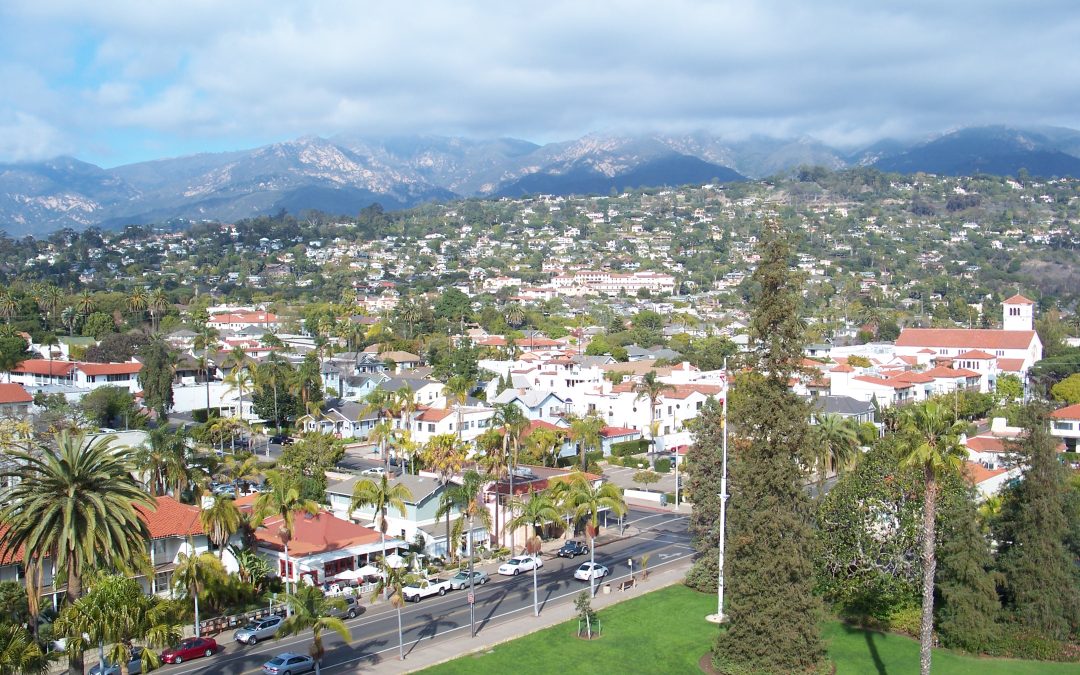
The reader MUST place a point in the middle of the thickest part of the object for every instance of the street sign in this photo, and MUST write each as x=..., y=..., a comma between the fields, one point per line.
x=472, y=598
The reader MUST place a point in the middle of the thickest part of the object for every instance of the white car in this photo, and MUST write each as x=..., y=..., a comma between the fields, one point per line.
x=374, y=471
x=589, y=571
x=518, y=564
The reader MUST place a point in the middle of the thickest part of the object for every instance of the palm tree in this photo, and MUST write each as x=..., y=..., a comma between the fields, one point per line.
x=310, y=610
x=157, y=303
x=137, y=301
x=273, y=372
x=382, y=434
x=445, y=455
x=466, y=500
x=837, y=444
x=392, y=582
x=240, y=375
x=19, y=653
x=588, y=501
x=585, y=431
x=85, y=303
x=8, y=306
x=545, y=444
x=381, y=496
x=192, y=574
x=284, y=501
x=204, y=341
x=116, y=611
x=220, y=522
x=652, y=389
x=405, y=404
x=491, y=446
x=68, y=316
x=457, y=390
x=515, y=315
x=75, y=503
x=536, y=511
x=513, y=422
x=411, y=315
x=933, y=446
x=49, y=298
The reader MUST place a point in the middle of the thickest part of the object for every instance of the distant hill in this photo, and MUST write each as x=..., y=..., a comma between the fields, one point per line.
x=993, y=150
x=346, y=173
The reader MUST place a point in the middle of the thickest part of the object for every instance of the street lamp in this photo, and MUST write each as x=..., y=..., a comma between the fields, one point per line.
x=719, y=616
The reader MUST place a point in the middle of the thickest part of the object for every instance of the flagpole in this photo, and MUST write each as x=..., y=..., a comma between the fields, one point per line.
x=719, y=618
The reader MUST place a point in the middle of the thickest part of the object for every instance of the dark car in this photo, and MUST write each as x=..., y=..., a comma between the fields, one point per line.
x=281, y=439
x=189, y=648
x=572, y=549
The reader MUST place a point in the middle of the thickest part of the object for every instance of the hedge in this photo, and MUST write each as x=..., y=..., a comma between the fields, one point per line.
x=625, y=448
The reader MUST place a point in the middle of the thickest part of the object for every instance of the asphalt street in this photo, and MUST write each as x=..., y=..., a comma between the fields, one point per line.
x=374, y=633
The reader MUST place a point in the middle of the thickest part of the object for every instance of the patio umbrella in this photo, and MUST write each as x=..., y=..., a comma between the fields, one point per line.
x=395, y=561
x=350, y=575
x=367, y=570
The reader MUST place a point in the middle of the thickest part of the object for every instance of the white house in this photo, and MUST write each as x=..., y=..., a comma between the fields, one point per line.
x=1065, y=424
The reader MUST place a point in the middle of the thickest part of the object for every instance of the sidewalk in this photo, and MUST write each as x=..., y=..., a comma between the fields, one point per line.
x=430, y=654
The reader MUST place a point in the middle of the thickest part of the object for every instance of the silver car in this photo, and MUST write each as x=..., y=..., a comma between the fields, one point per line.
x=461, y=579
x=349, y=608
x=261, y=629
x=134, y=666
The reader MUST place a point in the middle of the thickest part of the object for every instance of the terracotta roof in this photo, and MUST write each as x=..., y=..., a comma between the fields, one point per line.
x=913, y=377
x=977, y=473
x=1071, y=412
x=986, y=444
x=975, y=354
x=1018, y=300
x=92, y=369
x=1010, y=365
x=965, y=338
x=892, y=384
x=45, y=367
x=843, y=368
x=434, y=415
x=14, y=393
x=492, y=341
x=321, y=533
x=171, y=519
x=685, y=390
x=619, y=431
x=941, y=372
x=244, y=317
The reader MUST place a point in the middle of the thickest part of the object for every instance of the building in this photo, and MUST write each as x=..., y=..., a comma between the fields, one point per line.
x=237, y=321
x=37, y=373
x=1065, y=424
x=15, y=401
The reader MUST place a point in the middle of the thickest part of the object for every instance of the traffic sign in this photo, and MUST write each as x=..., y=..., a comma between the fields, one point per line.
x=472, y=598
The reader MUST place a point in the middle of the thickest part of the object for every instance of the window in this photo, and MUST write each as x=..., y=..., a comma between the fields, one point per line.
x=162, y=582
x=431, y=427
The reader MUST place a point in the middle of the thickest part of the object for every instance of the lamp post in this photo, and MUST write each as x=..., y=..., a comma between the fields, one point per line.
x=719, y=616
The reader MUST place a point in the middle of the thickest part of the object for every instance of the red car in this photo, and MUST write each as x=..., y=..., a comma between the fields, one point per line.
x=189, y=648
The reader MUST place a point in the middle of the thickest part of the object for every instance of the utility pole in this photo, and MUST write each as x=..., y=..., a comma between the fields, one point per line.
x=719, y=616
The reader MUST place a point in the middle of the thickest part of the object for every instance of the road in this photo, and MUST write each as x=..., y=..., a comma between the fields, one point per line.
x=374, y=634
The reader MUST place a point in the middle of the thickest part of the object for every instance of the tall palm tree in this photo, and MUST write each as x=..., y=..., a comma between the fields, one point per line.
x=205, y=340
x=515, y=315
x=310, y=610
x=193, y=573
x=537, y=510
x=652, y=389
x=546, y=444
x=457, y=390
x=411, y=315
x=68, y=316
x=492, y=457
x=85, y=303
x=588, y=501
x=837, y=443
x=240, y=375
x=381, y=496
x=157, y=303
x=392, y=583
x=284, y=501
x=934, y=447
x=74, y=501
x=383, y=434
x=445, y=455
x=585, y=431
x=220, y=522
x=509, y=417
x=466, y=500
x=405, y=405
x=116, y=611
x=273, y=373
x=137, y=301
x=8, y=306
x=49, y=299
x=19, y=653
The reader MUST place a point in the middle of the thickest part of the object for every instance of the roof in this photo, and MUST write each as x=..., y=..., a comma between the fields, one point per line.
x=977, y=473
x=1018, y=300
x=421, y=487
x=244, y=317
x=45, y=367
x=400, y=357
x=14, y=393
x=171, y=519
x=942, y=372
x=975, y=355
x=891, y=384
x=1071, y=412
x=311, y=535
x=965, y=338
x=608, y=432
x=1010, y=365
x=93, y=369
x=434, y=415
x=843, y=368
x=986, y=444
x=840, y=405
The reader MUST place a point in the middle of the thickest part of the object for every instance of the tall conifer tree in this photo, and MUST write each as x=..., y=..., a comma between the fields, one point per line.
x=773, y=614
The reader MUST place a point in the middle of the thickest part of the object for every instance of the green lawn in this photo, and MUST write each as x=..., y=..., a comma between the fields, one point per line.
x=666, y=632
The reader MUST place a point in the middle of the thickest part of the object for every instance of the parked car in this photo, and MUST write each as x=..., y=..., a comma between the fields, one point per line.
x=572, y=549
x=281, y=439
x=108, y=668
x=190, y=648
x=589, y=571
x=289, y=663
x=349, y=607
x=461, y=579
x=517, y=565
x=423, y=588
x=263, y=629
x=374, y=471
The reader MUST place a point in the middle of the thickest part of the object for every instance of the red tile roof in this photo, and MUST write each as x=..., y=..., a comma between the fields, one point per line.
x=977, y=473
x=986, y=444
x=1018, y=300
x=92, y=369
x=941, y=372
x=892, y=384
x=1071, y=412
x=245, y=317
x=913, y=377
x=843, y=368
x=171, y=519
x=45, y=367
x=1010, y=365
x=14, y=393
x=434, y=415
x=965, y=338
x=321, y=533
x=608, y=432
x=976, y=355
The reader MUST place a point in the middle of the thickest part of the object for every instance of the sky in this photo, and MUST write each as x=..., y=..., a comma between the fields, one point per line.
x=114, y=82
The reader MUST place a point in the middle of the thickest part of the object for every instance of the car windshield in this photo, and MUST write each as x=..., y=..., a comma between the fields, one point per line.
x=250, y=626
x=276, y=661
x=515, y=561
x=461, y=575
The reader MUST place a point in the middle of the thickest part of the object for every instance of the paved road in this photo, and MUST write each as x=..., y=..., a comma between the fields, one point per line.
x=374, y=634
x=623, y=476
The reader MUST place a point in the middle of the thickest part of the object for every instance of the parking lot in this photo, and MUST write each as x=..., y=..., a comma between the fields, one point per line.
x=624, y=477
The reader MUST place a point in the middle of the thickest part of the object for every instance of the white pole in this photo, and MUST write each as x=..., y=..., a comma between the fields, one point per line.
x=676, y=460
x=723, y=504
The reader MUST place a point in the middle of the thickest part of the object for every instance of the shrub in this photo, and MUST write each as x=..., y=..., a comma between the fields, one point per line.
x=1017, y=642
x=625, y=448
x=663, y=465
x=906, y=620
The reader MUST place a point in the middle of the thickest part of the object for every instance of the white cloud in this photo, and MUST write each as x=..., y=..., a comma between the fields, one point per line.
x=25, y=137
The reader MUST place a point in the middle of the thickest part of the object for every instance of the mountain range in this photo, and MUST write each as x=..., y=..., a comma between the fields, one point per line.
x=346, y=173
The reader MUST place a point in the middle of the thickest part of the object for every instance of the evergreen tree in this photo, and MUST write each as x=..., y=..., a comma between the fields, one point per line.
x=774, y=614
x=156, y=377
x=1042, y=580
x=706, y=456
x=968, y=606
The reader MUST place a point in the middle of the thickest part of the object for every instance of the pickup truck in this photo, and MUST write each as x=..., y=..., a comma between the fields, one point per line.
x=425, y=587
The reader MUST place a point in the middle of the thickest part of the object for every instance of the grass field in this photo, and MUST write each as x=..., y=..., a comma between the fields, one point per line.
x=666, y=632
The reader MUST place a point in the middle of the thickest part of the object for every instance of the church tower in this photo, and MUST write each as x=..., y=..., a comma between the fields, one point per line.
x=1018, y=313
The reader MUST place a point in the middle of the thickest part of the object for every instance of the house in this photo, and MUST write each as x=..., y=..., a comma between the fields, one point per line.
x=77, y=374
x=238, y=321
x=846, y=407
x=1065, y=424
x=403, y=361
x=431, y=422
x=528, y=479
x=420, y=510
x=342, y=419
x=535, y=404
x=15, y=401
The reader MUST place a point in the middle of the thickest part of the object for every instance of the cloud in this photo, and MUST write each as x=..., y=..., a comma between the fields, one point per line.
x=839, y=70
x=24, y=137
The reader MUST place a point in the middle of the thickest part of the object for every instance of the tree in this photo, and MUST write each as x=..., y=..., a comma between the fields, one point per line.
x=239, y=377
x=705, y=455
x=310, y=610
x=585, y=431
x=117, y=347
x=933, y=446
x=1009, y=388
x=646, y=478
x=513, y=422
x=308, y=460
x=116, y=612
x=193, y=573
x=545, y=445
x=137, y=302
x=1042, y=581
x=381, y=496
x=768, y=519
x=157, y=303
x=284, y=501
x=588, y=501
x=85, y=303
x=8, y=306
x=445, y=455
x=75, y=502
x=651, y=389
x=220, y=522
x=156, y=377
x=19, y=653
x=392, y=582
x=836, y=444
x=13, y=351
x=98, y=325
x=586, y=614
x=538, y=510
x=1068, y=390
x=111, y=406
